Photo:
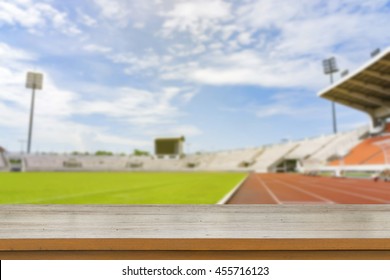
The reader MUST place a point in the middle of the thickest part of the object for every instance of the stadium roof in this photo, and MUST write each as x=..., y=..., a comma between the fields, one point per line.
x=367, y=89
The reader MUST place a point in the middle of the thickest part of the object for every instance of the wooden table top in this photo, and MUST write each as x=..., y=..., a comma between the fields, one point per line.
x=171, y=227
x=194, y=221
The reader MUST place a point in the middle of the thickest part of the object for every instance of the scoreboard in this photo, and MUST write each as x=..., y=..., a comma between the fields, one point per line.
x=169, y=146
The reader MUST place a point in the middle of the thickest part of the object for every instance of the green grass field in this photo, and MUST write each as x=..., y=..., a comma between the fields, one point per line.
x=116, y=188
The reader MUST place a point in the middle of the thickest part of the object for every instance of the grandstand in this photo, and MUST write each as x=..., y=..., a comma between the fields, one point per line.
x=309, y=147
x=269, y=158
x=3, y=162
x=272, y=155
x=340, y=144
x=367, y=90
x=366, y=152
x=234, y=160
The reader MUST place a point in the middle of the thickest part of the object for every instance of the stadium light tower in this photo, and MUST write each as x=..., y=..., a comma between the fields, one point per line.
x=330, y=67
x=33, y=81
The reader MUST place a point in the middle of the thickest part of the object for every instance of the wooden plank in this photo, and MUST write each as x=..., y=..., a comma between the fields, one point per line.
x=194, y=221
x=195, y=232
x=195, y=255
x=203, y=244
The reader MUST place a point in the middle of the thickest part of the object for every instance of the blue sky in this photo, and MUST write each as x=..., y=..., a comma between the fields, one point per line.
x=226, y=74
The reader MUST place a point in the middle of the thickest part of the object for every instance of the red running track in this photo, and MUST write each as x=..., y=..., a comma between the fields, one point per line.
x=299, y=189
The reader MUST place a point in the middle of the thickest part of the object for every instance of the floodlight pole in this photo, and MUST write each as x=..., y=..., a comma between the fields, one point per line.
x=34, y=81
x=31, y=120
x=330, y=67
x=333, y=109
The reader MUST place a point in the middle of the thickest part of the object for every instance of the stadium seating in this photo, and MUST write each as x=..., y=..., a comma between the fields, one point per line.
x=155, y=164
x=3, y=164
x=272, y=155
x=233, y=159
x=340, y=144
x=308, y=153
x=308, y=147
x=365, y=153
x=44, y=162
x=102, y=162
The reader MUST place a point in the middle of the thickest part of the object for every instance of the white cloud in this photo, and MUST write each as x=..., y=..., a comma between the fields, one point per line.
x=139, y=25
x=10, y=54
x=296, y=106
x=124, y=12
x=7, y=114
x=276, y=110
x=249, y=68
x=35, y=16
x=183, y=44
x=65, y=135
x=138, y=107
x=96, y=48
x=137, y=64
x=265, y=14
x=114, y=9
x=186, y=130
x=86, y=19
x=55, y=108
x=197, y=18
x=187, y=12
x=124, y=141
x=244, y=38
x=284, y=43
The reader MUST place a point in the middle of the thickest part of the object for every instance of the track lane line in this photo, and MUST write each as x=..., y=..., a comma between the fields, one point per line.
x=362, y=186
x=274, y=197
x=328, y=201
x=358, y=186
x=332, y=189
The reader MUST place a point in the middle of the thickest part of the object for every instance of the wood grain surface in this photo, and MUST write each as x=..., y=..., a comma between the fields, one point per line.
x=195, y=231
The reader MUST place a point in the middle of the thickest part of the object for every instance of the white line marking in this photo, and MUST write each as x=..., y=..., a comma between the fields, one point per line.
x=49, y=200
x=274, y=197
x=307, y=192
x=331, y=188
x=366, y=188
x=230, y=194
x=349, y=183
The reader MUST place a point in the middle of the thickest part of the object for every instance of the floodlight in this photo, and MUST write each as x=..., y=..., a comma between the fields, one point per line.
x=330, y=65
x=34, y=80
x=344, y=73
x=375, y=52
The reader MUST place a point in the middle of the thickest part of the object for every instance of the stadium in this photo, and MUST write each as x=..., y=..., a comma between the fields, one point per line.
x=324, y=197
x=361, y=153
x=222, y=103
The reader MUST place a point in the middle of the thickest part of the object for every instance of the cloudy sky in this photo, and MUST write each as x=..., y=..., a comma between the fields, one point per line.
x=226, y=74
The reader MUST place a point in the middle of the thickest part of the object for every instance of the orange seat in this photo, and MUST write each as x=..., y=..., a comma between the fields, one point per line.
x=365, y=152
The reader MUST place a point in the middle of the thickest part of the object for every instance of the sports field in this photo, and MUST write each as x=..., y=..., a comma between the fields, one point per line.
x=116, y=188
